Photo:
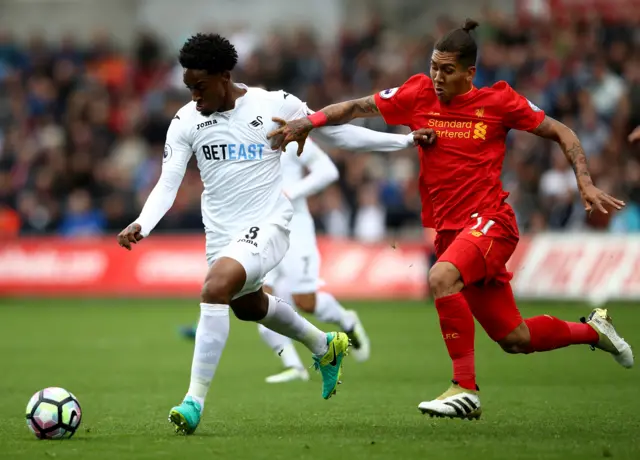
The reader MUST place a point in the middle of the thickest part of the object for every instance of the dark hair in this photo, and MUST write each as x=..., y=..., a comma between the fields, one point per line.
x=209, y=52
x=461, y=42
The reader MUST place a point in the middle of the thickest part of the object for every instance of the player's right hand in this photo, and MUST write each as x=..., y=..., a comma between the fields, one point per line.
x=290, y=131
x=594, y=198
x=424, y=137
x=635, y=135
x=129, y=235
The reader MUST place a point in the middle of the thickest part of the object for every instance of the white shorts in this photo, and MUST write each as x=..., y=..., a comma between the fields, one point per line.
x=258, y=249
x=299, y=271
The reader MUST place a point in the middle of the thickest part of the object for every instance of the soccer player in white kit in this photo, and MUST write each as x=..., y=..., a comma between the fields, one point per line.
x=245, y=212
x=298, y=274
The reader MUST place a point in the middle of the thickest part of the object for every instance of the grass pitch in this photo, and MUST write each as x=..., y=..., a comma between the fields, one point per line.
x=126, y=364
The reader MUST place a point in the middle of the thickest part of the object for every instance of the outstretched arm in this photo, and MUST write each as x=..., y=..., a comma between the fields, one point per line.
x=565, y=137
x=357, y=138
x=336, y=114
x=344, y=112
x=397, y=105
x=177, y=153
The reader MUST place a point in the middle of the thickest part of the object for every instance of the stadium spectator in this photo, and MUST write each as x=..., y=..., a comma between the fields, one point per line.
x=559, y=190
x=80, y=218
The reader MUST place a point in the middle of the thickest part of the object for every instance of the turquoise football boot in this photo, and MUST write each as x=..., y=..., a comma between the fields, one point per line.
x=330, y=364
x=186, y=416
x=188, y=332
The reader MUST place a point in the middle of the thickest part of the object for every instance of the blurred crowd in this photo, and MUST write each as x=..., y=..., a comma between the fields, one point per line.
x=82, y=128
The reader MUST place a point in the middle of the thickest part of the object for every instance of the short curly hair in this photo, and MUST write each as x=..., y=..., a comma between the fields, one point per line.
x=209, y=52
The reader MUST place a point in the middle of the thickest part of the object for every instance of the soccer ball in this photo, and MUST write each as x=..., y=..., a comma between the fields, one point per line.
x=53, y=413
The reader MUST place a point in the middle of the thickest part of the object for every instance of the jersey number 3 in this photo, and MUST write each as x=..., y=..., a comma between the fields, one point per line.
x=253, y=233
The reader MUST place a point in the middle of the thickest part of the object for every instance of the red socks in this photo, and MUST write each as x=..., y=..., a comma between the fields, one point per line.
x=583, y=334
x=548, y=333
x=458, y=330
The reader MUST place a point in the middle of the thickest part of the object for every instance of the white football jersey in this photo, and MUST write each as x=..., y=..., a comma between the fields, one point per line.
x=239, y=169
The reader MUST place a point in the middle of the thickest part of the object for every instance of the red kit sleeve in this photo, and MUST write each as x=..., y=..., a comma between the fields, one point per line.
x=518, y=112
x=397, y=105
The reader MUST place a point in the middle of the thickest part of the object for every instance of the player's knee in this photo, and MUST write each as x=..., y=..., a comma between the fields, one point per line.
x=517, y=341
x=216, y=290
x=444, y=280
x=305, y=302
x=224, y=280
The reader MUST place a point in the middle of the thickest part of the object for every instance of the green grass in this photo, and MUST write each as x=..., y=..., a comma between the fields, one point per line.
x=127, y=366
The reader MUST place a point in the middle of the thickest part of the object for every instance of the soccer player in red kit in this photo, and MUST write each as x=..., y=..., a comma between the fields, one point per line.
x=463, y=199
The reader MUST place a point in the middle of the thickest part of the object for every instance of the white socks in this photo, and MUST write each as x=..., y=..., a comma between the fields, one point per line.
x=282, y=346
x=329, y=310
x=213, y=331
x=282, y=318
x=211, y=337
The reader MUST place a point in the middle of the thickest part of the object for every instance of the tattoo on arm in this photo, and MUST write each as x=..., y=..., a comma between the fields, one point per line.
x=575, y=154
x=554, y=130
x=344, y=112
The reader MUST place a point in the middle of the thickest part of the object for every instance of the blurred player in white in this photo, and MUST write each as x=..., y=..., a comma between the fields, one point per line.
x=245, y=213
x=299, y=272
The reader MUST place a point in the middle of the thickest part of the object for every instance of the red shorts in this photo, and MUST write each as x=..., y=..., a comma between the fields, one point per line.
x=481, y=250
x=480, y=253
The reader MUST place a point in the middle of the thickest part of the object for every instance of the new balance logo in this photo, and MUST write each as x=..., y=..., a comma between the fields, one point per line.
x=257, y=122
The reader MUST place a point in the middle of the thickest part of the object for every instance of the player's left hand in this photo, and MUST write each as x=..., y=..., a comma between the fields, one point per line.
x=594, y=198
x=424, y=137
x=635, y=135
x=290, y=131
x=129, y=235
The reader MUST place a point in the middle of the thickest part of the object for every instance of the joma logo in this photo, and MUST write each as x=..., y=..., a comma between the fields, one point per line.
x=205, y=124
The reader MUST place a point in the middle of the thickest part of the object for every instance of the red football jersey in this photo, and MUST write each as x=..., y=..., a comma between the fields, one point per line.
x=460, y=173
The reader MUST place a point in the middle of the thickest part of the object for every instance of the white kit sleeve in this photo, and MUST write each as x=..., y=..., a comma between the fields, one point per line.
x=356, y=138
x=177, y=152
x=347, y=137
x=322, y=171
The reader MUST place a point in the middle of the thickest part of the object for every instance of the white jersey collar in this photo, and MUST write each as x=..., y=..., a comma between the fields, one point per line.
x=238, y=101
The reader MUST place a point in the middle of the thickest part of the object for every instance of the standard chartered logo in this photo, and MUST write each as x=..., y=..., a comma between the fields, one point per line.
x=479, y=131
x=458, y=129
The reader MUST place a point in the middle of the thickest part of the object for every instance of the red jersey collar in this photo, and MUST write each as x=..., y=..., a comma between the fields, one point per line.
x=463, y=97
